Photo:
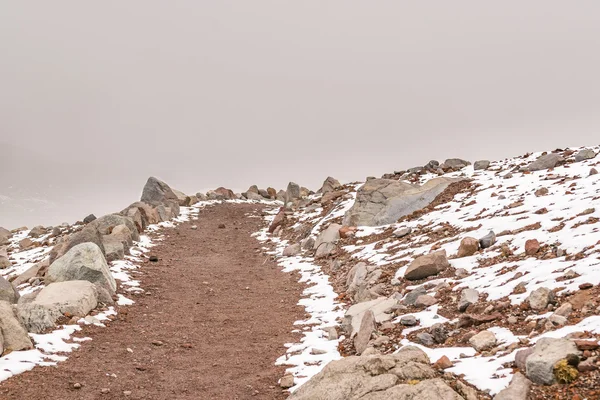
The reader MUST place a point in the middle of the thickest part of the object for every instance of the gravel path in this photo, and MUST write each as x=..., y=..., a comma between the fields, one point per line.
x=214, y=318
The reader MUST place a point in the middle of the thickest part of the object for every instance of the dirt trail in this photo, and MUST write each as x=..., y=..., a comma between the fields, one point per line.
x=213, y=321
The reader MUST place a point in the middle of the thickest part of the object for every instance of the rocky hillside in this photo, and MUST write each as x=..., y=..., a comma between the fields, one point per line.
x=449, y=281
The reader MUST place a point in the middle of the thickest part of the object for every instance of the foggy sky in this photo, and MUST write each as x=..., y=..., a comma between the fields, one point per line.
x=97, y=96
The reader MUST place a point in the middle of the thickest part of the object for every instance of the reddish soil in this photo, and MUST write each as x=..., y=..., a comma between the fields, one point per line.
x=214, y=319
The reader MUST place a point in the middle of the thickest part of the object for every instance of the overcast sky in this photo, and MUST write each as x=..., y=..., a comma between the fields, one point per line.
x=97, y=96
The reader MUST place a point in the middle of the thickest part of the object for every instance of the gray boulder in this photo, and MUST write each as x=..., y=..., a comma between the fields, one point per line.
x=183, y=199
x=83, y=262
x=384, y=201
x=89, y=219
x=157, y=192
x=201, y=196
x=330, y=185
x=427, y=265
x=107, y=223
x=14, y=335
x=401, y=232
x=292, y=250
x=4, y=262
x=325, y=242
x=544, y=162
x=546, y=353
x=76, y=298
x=377, y=377
x=37, y=231
x=517, y=390
x=381, y=308
x=8, y=292
x=113, y=247
x=253, y=196
x=540, y=298
x=585, y=154
x=484, y=340
x=481, y=165
x=367, y=327
x=292, y=193
x=89, y=234
x=455, y=163
x=488, y=240
x=147, y=214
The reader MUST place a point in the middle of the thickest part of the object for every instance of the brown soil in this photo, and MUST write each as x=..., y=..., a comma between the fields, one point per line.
x=214, y=319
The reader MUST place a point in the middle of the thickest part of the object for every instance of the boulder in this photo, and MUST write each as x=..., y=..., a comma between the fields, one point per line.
x=225, y=194
x=272, y=193
x=380, y=307
x=76, y=298
x=517, y=390
x=292, y=193
x=468, y=246
x=89, y=219
x=124, y=235
x=5, y=236
x=356, y=279
x=149, y=214
x=325, y=250
x=253, y=189
x=8, y=292
x=89, y=234
x=14, y=335
x=481, y=165
x=330, y=185
x=329, y=235
x=253, y=196
x=30, y=273
x=377, y=377
x=158, y=192
x=367, y=327
x=484, y=340
x=113, y=248
x=37, y=231
x=455, y=163
x=411, y=297
x=546, y=353
x=83, y=262
x=488, y=240
x=105, y=224
x=585, y=154
x=425, y=300
x=384, y=201
x=401, y=232
x=540, y=298
x=427, y=265
x=532, y=246
x=183, y=199
x=467, y=297
x=292, y=250
x=164, y=213
x=26, y=244
x=546, y=161
x=281, y=196
x=201, y=196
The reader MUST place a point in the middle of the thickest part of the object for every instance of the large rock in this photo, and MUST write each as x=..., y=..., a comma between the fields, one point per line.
x=30, y=273
x=107, y=223
x=183, y=199
x=37, y=231
x=427, y=265
x=330, y=185
x=8, y=292
x=331, y=234
x=517, y=390
x=113, y=247
x=157, y=192
x=544, y=162
x=481, y=165
x=381, y=308
x=384, y=201
x=148, y=215
x=83, y=262
x=585, y=154
x=15, y=336
x=377, y=377
x=455, y=163
x=546, y=353
x=226, y=194
x=292, y=193
x=76, y=298
x=488, y=240
x=123, y=234
x=5, y=236
x=4, y=262
x=367, y=327
x=89, y=234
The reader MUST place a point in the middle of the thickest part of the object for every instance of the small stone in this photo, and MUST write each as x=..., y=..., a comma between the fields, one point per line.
x=443, y=363
x=541, y=192
x=127, y=393
x=425, y=300
x=488, y=240
x=194, y=227
x=439, y=333
x=532, y=246
x=468, y=247
x=512, y=320
x=157, y=343
x=593, y=171
x=401, y=232
x=287, y=381
x=587, y=344
x=105, y=391
x=408, y=320
x=425, y=339
x=467, y=297
x=461, y=273
x=153, y=258
x=77, y=385
x=221, y=226
x=484, y=340
x=585, y=286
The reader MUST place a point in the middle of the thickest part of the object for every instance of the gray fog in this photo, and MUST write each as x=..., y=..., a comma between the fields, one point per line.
x=97, y=96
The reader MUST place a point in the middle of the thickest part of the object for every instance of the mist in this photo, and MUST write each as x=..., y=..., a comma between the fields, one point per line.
x=96, y=97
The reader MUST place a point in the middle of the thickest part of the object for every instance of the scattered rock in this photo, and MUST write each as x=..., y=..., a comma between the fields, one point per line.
x=367, y=327
x=153, y=259
x=593, y=171
x=468, y=247
x=532, y=246
x=484, y=340
x=488, y=240
x=517, y=390
x=541, y=192
x=540, y=298
x=443, y=363
x=425, y=300
x=287, y=381
x=401, y=232
x=481, y=165
x=427, y=265
x=380, y=307
x=546, y=161
x=330, y=185
x=585, y=154
x=467, y=297
x=439, y=333
x=292, y=250
x=89, y=219
x=546, y=353
x=408, y=320
x=8, y=292
x=425, y=339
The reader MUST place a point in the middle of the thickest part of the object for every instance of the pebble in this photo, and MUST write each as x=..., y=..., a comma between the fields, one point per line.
x=127, y=393
x=153, y=258
x=194, y=227
x=585, y=286
x=157, y=343
x=77, y=385
x=105, y=391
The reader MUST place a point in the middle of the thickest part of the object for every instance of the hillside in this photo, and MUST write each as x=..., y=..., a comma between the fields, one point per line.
x=451, y=280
